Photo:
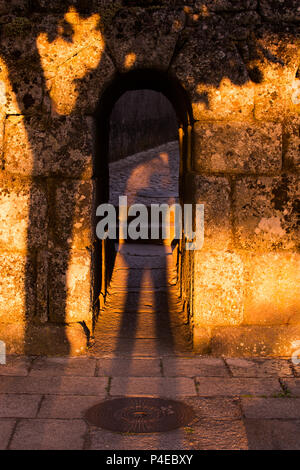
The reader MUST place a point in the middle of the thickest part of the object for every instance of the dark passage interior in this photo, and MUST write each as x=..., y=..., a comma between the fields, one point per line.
x=143, y=313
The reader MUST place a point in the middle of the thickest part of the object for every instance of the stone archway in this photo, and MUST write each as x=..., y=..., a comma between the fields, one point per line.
x=141, y=79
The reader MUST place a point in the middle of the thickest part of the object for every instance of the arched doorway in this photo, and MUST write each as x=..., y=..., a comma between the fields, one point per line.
x=169, y=89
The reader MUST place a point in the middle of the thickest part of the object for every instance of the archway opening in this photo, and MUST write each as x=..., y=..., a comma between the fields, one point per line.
x=143, y=129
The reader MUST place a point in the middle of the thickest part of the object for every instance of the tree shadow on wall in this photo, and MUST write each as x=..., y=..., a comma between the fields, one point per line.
x=30, y=48
x=60, y=178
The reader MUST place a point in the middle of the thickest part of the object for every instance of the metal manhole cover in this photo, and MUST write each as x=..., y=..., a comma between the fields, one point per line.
x=140, y=415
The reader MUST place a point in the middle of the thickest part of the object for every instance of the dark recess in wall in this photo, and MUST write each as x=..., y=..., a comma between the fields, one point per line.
x=140, y=120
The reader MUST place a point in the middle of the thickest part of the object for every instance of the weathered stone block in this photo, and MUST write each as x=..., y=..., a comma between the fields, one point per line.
x=17, y=288
x=237, y=147
x=23, y=214
x=141, y=38
x=277, y=61
x=259, y=367
x=77, y=87
x=41, y=146
x=266, y=212
x=272, y=288
x=216, y=386
x=46, y=340
x=292, y=143
x=270, y=408
x=211, y=69
x=51, y=434
x=218, y=289
x=7, y=427
x=214, y=193
x=74, y=212
x=155, y=386
x=19, y=406
x=274, y=10
x=70, y=286
x=255, y=340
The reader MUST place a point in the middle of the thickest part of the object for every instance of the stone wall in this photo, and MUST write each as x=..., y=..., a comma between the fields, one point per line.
x=237, y=61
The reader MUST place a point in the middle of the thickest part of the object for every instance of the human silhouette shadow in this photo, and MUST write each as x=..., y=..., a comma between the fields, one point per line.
x=48, y=262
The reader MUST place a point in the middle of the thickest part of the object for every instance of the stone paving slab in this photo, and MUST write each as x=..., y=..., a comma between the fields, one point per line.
x=66, y=406
x=19, y=406
x=75, y=366
x=191, y=367
x=15, y=366
x=273, y=434
x=211, y=434
x=270, y=408
x=54, y=385
x=103, y=440
x=40, y=434
x=259, y=367
x=6, y=430
x=154, y=386
x=215, y=408
x=129, y=367
x=293, y=385
x=140, y=347
x=215, y=386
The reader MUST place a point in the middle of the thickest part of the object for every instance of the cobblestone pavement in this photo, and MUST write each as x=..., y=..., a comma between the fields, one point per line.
x=146, y=177
x=238, y=403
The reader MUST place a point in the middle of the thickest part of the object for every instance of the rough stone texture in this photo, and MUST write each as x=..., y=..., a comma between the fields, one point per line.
x=215, y=408
x=23, y=214
x=211, y=69
x=256, y=149
x=69, y=286
x=192, y=367
x=215, y=386
x=273, y=434
x=292, y=143
x=272, y=10
x=78, y=367
x=259, y=367
x=141, y=38
x=218, y=434
x=74, y=62
x=49, y=434
x=275, y=62
x=293, y=385
x=41, y=146
x=17, y=292
x=218, y=289
x=6, y=429
x=66, y=407
x=46, y=340
x=213, y=192
x=124, y=368
x=54, y=385
x=255, y=340
x=19, y=406
x=270, y=408
x=154, y=386
x=15, y=366
x=272, y=286
x=73, y=213
x=266, y=212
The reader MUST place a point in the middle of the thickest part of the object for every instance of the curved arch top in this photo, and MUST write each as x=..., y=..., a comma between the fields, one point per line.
x=150, y=79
